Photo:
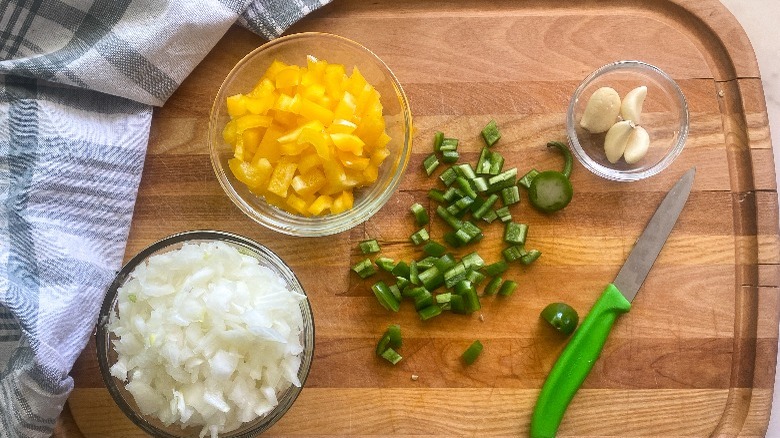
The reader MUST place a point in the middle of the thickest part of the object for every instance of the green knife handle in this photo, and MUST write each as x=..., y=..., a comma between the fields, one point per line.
x=575, y=362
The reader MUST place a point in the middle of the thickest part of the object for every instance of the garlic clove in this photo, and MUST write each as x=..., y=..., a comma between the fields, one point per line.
x=631, y=108
x=637, y=145
x=601, y=111
x=616, y=139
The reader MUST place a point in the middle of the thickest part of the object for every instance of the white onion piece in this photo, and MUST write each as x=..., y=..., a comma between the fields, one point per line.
x=206, y=337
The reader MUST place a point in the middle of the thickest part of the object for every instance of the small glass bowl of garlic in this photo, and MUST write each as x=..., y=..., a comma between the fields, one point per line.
x=627, y=121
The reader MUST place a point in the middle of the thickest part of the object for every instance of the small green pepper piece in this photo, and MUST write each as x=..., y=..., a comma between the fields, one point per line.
x=471, y=353
x=561, y=316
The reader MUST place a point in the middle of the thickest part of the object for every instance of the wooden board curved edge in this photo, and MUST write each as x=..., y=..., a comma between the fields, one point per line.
x=719, y=32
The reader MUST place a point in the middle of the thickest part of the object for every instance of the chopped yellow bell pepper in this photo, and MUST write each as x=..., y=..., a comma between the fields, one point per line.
x=252, y=176
x=308, y=183
x=298, y=204
x=313, y=128
x=322, y=203
x=348, y=143
x=282, y=177
x=289, y=76
x=341, y=126
x=250, y=121
x=342, y=203
x=236, y=105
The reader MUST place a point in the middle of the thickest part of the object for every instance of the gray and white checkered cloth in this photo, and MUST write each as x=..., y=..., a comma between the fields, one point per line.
x=77, y=81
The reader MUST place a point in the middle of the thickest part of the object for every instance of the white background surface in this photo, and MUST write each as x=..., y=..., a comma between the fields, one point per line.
x=761, y=20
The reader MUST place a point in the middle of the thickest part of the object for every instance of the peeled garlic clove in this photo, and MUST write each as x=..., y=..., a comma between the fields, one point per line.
x=631, y=108
x=637, y=145
x=601, y=111
x=616, y=139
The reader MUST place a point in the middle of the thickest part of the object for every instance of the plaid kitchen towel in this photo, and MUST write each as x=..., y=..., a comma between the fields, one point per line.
x=77, y=78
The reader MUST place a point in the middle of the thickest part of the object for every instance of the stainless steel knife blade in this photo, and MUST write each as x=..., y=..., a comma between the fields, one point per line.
x=652, y=239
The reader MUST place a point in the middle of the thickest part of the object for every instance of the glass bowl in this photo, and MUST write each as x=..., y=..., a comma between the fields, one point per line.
x=664, y=116
x=293, y=49
x=107, y=356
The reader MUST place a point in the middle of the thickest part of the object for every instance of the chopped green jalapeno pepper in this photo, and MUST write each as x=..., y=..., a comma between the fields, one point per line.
x=490, y=133
x=449, y=157
x=385, y=296
x=420, y=214
x=561, y=316
x=392, y=356
x=438, y=139
x=369, y=246
x=437, y=195
x=390, y=339
x=429, y=312
x=530, y=256
x=471, y=353
x=507, y=288
x=364, y=268
x=434, y=249
x=525, y=181
x=550, y=190
x=420, y=236
x=385, y=263
x=493, y=286
x=430, y=163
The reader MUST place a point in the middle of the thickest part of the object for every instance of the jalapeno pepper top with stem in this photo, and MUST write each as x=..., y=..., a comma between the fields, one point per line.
x=551, y=190
x=561, y=316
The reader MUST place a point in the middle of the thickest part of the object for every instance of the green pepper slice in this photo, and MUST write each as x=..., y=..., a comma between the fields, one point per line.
x=551, y=191
x=561, y=316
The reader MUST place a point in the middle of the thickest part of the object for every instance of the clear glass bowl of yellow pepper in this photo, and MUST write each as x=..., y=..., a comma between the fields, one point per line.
x=310, y=134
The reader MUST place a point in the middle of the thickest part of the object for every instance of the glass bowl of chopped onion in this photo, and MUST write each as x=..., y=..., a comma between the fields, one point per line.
x=627, y=121
x=310, y=134
x=205, y=333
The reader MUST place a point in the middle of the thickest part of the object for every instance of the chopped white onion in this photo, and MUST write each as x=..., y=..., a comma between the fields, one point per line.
x=206, y=336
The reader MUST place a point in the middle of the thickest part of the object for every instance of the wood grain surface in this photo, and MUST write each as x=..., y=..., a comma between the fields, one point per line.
x=696, y=355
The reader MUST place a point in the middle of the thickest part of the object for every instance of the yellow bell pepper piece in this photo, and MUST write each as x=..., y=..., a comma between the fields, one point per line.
x=341, y=126
x=251, y=139
x=297, y=204
x=292, y=136
x=356, y=82
x=274, y=69
x=342, y=203
x=345, y=109
x=309, y=161
x=288, y=77
x=229, y=133
x=311, y=110
x=352, y=161
x=288, y=104
x=250, y=121
x=348, y=143
x=253, y=176
x=269, y=147
x=236, y=105
x=308, y=183
x=322, y=203
x=282, y=177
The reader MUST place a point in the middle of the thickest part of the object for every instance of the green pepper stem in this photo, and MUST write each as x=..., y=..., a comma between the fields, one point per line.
x=566, y=155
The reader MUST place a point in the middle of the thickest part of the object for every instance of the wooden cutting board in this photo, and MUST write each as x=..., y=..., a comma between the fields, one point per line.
x=696, y=355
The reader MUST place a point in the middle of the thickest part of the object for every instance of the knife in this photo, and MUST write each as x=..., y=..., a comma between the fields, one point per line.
x=584, y=348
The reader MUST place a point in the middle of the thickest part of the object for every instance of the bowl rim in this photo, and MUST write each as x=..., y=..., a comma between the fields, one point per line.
x=316, y=226
x=627, y=175
x=109, y=302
